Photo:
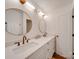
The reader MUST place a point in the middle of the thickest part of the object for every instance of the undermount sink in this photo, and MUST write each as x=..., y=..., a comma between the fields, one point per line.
x=23, y=48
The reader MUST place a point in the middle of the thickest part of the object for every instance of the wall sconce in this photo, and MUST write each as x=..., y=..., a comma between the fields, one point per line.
x=22, y=1
x=40, y=13
x=29, y=6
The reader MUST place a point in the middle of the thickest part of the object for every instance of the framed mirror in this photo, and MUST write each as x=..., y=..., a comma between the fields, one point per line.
x=42, y=26
x=17, y=22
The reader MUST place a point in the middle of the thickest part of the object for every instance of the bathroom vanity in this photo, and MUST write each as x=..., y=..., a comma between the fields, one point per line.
x=41, y=48
x=21, y=23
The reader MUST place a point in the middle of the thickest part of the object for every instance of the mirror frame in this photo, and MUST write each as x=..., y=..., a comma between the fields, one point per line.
x=45, y=28
x=17, y=10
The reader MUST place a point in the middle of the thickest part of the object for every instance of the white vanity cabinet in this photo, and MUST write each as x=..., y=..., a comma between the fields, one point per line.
x=45, y=52
x=50, y=49
x=39, y=54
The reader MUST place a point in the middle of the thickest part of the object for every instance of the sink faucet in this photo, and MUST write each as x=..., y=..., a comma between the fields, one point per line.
x=18, y=43
x=24, y=38
x=45, y=34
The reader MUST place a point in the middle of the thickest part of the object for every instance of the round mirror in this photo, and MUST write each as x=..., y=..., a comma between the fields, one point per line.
x=17, y=22
x=42, y=26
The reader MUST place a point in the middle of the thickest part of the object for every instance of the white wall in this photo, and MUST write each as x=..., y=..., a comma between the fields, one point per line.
x=60, y=22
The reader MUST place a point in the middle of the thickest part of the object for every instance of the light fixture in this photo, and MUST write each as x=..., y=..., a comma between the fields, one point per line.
x=40, y=13
x=22, y=1
x=29, y=6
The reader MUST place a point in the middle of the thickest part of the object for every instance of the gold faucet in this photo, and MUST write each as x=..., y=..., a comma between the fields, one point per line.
x=18, y=43
x=24, y=38
x=45, y=34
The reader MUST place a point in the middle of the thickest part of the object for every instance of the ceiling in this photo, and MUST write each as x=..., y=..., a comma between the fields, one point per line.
x=51, y=8
x=51, y=5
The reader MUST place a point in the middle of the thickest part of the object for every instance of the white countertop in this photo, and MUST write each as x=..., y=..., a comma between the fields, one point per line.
x=41, y=41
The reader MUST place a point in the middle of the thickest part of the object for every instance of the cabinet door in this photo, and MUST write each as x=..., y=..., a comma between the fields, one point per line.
x=51, y=45
x=40, y=53
x=45, y=52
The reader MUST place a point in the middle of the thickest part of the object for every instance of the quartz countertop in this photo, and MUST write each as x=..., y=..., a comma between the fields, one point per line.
x=40, y=42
